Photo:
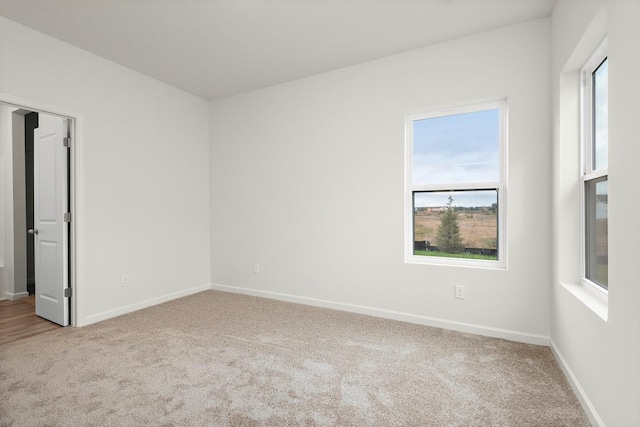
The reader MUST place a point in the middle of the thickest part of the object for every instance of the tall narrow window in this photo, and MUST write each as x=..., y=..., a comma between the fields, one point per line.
x=455, y=186
x=595, y=96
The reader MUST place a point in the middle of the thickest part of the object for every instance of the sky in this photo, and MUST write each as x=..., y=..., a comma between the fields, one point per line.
x=457, y=149
x=601, y=116
x=601, y=126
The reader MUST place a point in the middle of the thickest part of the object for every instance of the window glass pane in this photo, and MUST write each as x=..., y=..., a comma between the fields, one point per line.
x=597, y=222
x=456, y=224
x=457, y=148
x=601, y=116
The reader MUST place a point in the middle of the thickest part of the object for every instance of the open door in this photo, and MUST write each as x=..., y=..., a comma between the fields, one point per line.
x=51, y=231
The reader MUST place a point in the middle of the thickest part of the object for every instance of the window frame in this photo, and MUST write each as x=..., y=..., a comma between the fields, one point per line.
x=500, y=186
x=588, y=173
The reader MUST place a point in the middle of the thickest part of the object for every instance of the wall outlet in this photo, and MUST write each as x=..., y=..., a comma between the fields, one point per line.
x=125, y=280
x=459, y=291
x=256, y=268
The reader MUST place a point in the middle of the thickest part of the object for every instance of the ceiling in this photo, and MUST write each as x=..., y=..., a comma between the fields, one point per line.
x=218, y=48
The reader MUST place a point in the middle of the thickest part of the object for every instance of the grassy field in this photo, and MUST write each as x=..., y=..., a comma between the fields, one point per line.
x=446, y=255
x=478, y=228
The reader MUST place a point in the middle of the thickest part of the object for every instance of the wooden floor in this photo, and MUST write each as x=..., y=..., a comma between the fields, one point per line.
x=18, y=320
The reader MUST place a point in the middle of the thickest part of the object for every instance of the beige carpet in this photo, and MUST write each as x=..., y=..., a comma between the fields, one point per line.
x=221, y=359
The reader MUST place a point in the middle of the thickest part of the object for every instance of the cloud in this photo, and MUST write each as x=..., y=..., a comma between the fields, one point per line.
x=457, y=148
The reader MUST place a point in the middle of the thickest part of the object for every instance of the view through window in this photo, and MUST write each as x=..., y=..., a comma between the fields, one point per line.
x=456, y=182
x=595, y=174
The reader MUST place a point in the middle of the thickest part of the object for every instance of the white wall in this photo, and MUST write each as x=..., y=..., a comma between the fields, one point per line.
x=146, y=174
x=601, y=356
x=18, y=220
x=13, y=280
x=307, y=181
x=6, y=201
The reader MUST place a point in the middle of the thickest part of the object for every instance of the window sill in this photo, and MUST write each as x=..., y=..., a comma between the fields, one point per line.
x=599, y=304
x=456, y=262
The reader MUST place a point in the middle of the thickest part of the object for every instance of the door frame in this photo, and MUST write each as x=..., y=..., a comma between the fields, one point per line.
x=76, y=196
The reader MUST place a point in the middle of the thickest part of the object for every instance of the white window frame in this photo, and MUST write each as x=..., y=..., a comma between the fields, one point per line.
x=587, y=172
x=500, y=186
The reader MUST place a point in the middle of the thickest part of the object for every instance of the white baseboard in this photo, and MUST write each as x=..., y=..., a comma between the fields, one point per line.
x=98, y=317
x=575, y=385
x=394, y=315
x=17, y=295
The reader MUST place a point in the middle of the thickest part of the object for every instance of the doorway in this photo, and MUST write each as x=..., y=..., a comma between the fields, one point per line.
x=38, y=234
x=30, y=125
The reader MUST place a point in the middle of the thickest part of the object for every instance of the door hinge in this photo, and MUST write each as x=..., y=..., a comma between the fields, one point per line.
x=67, y=217
x=67, y=292
x=66, y=141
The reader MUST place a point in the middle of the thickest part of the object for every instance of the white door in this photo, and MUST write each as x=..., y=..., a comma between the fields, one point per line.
x=50, y=165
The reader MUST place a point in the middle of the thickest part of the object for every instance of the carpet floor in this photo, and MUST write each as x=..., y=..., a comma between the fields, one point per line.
x=221, y=359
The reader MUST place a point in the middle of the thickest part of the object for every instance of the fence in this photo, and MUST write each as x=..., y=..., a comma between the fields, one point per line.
x=425, y=245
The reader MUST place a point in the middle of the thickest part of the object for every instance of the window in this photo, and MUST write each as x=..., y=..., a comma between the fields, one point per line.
x=455, y=186
x=594, y=179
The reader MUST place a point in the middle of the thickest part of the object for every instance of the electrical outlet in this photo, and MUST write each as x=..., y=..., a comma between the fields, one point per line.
x=125, y=280
x=459, y=292
x=256, y=268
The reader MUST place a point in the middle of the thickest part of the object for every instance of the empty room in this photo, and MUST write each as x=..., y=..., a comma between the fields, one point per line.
x=319, y=213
